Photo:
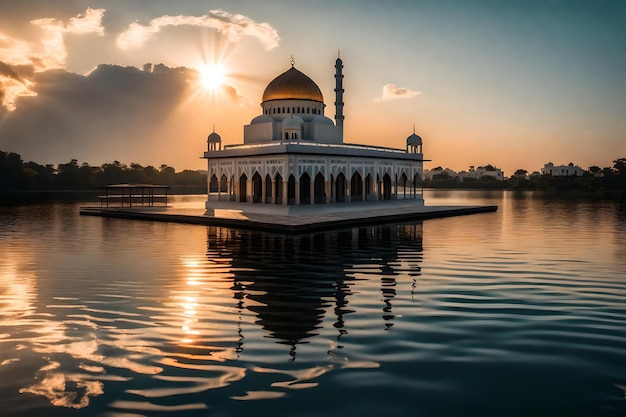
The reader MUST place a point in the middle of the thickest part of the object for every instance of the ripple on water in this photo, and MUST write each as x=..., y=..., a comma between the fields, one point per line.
x=432, y=319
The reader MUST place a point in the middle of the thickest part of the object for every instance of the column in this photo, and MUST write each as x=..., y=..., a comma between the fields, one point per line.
x=364, y=188
x=312, y=191
x=328, y=191
x=263, y=190
x=285, y=187
x=297, y=192
x=249, y=190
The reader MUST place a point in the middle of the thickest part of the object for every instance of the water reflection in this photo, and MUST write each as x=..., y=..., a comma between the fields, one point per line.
x=112, y=317
x=292, y=282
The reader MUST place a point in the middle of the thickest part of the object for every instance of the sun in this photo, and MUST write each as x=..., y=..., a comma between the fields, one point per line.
x=212, y=76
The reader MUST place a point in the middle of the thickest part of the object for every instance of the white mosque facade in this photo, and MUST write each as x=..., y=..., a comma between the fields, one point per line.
x=293, y=155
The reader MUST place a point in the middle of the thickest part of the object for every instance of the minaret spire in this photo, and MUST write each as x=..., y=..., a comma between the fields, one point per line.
x=339, y=95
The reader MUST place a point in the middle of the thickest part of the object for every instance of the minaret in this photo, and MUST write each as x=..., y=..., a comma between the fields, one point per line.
x=339, y=96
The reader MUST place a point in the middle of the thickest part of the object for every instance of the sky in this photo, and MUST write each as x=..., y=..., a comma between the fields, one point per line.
x=511, y=83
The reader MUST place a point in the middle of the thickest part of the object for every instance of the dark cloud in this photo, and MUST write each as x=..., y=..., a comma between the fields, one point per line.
x=8, y=71
x=111, y=114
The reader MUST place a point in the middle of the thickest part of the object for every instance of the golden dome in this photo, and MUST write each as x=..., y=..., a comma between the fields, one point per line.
x=292, y=85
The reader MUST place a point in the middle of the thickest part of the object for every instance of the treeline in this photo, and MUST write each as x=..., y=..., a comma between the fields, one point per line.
x=17, y=175
x=595, y=179
x=587, y=182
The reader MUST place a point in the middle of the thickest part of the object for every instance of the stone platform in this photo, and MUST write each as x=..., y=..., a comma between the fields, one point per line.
x=291, y=219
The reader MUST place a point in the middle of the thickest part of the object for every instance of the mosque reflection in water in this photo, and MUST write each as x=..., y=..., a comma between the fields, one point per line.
x=292, y=283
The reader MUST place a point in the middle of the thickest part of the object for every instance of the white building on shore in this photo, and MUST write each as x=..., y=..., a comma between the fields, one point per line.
x=562, y=170
x=486, y=171
x=293, y=155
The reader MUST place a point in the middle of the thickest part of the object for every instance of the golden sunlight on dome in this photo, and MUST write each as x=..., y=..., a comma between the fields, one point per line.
x=212, y=76
x=293, y=85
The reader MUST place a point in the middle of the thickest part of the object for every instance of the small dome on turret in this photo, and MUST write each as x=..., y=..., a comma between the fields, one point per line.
x=214, y=138
x=413, y=140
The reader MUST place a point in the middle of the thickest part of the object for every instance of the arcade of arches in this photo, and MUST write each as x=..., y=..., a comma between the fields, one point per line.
x=316, y=190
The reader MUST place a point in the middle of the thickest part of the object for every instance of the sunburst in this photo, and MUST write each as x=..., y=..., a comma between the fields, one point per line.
x=212, y=76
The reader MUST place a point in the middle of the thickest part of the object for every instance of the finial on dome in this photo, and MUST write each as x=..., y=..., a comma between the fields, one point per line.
x=293, y=62
x=338, y=53
x=413, y=128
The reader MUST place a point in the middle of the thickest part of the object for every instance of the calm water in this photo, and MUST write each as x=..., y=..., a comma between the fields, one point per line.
x=521, y=312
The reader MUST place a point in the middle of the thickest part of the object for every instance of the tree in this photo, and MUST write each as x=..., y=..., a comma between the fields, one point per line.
x=594, y=169
x=69, y=177
x=620, y=165
x=167, y=174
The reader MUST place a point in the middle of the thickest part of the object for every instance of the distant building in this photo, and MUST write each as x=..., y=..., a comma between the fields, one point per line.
x=480, y=172
x=429, y=173
x=562, y=170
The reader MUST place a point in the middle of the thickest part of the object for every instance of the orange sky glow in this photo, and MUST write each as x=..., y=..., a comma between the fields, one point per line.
x=515, y=85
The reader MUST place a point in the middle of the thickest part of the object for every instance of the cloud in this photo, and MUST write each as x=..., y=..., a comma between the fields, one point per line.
x=19, y=60
x=391, y=92
x=87, y=117
x=113, y=113
x=234, y=26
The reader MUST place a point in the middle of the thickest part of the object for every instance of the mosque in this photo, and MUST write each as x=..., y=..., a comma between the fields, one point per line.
x=293, y=155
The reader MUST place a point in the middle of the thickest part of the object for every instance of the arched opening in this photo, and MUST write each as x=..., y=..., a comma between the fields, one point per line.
x=268, y=189
x=224, y=184
x=243, y=181
x=213, y=184
x=257, y=188
x=403, y=180
x=305, y=189
x=340, y=188
x=368, y=186
x=291, y=190
x=386, y=187
x=356, y=187
x=278, y=189
x=318, y=189
x=417, y=185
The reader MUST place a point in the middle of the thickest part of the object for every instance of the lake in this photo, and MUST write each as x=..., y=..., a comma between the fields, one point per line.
x=521, y=312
